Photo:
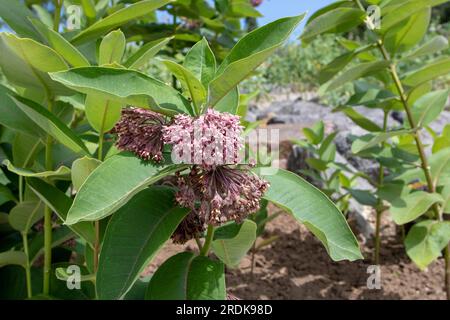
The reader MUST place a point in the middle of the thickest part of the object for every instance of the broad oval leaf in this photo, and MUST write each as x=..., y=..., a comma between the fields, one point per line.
x=81, y=169
x=112, y=184
x=112, y=48
x=373, y=139
x=358, y=71
x=406, y=35
x=102, y=113
x=231, y=246
x=16, y=15
x=25, y=214
x=413, y=205
x=125, y=86
x=189, y=82
x=188, y=277
x=248, y=54
x=316, y=211
x=13, y=257
x=334, y=21
x=200, y=60
x=426, y=240
x=146, y=222
x=61, y=45
x=430, y=71
x=60, y=204
x=117, y=19
x=429, y=107
x=434, y=45
x=51, y=124
x=14, y=118
x=145, y=53
x=62, y=173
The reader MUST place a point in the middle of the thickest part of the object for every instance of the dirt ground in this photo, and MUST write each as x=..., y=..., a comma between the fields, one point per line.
x=296, y=266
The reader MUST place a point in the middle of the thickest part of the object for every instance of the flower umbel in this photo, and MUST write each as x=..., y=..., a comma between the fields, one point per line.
x=211, y=139
x=140, y=131
x=190, y=226
x=221, y=194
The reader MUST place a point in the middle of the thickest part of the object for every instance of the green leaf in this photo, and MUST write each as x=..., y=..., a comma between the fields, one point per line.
x=35, y=54
x=112, y=184
x=413, y=205
x=327, y=150
x=25, y=149
x=62, y=173
x=440, y=167
x=430, y=71
x=200, y=60
x=61, y=45
x=118, y=18
x=6, y=195
x=358, y=71
x=26, y=62
x=316, y=211
x=231, y=247
x=102, y=113
x=60, y=204
x=337, y=20
x=248, y=54
x=112, y=48
x=328, y=8
x=145, y=53
x=43, y=15
x=426, y=240
x=373, y=139
x=16, y=14
x=189, y=83
x=147, y=221
x=406, y=35
x=229, y=103
x=401, y=13
x=432, y=46
x=360, y=120
x=51, y=124
x=89, y=9
x=25, y=214
x=81, y=169
x=125, y=86
x=59, y=236
x=315, y=133
x=14, y=118
x=427, y=108
x=188, y=277
x=365, y=197
x=13, y=257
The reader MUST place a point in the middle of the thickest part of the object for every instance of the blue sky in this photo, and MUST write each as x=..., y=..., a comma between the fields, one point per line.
x=275, y=9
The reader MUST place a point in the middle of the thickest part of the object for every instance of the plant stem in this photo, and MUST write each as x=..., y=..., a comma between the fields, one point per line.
x=379, y=210
x=27, y=265
x=57, y=15
x=376, y=258
x=208, y=241
x=48, y=214
x=97, y=223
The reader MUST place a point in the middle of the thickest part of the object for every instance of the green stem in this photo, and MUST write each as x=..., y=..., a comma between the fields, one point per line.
x=57, y=15
x=97, y=223
x=27, y=265
x=174, y=45
x=376, y=258
x=48, y=214
x=208, y=241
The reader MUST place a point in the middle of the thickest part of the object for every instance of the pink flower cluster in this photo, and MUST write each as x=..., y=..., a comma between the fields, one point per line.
x=221, y=194
x=209, y=140
x=214, y=190
x=140, y=131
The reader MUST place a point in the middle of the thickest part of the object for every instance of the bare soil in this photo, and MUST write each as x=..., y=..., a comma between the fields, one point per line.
x=296, y=266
